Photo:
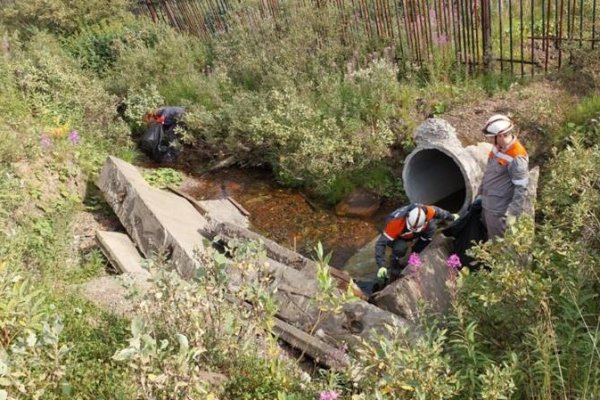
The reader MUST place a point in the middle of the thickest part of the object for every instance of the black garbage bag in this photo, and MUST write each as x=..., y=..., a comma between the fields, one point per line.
x=466, y=231
x=151, y=140
x=156, y=145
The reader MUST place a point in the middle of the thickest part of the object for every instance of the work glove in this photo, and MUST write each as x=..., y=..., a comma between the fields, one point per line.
x=510, y=219
x=382, y=273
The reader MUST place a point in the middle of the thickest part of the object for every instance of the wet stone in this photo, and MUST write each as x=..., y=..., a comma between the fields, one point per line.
x=360, y=203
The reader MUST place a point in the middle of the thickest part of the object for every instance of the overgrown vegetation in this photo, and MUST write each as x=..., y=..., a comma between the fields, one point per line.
x=76, y=78
x=280, y=95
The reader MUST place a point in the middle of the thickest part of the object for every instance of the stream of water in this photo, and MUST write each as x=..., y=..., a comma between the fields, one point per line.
x=286, y=215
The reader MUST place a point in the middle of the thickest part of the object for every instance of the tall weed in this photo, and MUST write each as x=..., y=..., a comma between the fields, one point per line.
x=185, y=329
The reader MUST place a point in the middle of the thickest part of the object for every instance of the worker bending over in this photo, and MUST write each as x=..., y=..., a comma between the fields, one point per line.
x=412, y=225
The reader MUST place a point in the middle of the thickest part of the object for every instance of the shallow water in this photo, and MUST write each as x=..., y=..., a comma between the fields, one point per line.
x=287, y=216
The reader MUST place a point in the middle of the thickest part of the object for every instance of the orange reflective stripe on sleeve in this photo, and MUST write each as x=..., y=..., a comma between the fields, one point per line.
x=517, y=149
x=505, y=157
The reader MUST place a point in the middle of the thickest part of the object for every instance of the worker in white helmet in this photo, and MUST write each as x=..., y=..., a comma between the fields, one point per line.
x=504, y=185
x=415, y=225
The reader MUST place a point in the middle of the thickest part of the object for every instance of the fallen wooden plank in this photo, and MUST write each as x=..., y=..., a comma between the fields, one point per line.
x=316, y=349
x=225, y=163
x=237, y=205
x=121, y=253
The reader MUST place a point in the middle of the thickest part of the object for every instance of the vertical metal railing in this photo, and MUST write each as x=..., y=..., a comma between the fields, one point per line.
x=501, y=35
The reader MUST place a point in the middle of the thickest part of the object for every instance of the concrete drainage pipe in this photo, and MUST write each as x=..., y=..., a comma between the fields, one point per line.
x=440, y=170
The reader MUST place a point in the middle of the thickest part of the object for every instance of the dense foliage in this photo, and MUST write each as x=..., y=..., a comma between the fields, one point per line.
x=291, y=96
x=75, y=79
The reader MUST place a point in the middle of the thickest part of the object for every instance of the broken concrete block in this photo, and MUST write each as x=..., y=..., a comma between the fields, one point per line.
x=428, y=283
x=122, y=253
x=224, y=210
x=156, y=220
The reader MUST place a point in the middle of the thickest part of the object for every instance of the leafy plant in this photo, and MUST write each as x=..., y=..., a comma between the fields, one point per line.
x=396, y=367
x=203, y=326
x=163, y=177
x=139, y=102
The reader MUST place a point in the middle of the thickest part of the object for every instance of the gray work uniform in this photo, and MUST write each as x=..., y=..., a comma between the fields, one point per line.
x=503, y=188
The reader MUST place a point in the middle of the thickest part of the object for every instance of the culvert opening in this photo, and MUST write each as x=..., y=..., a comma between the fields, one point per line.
x=432, y=177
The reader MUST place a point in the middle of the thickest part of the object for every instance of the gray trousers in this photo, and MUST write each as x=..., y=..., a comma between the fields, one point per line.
x=495, y=223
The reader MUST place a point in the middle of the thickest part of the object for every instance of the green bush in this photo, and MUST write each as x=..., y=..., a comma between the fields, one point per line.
x=303, y=48
x=98, y=47
x=306, y=148
x=31, y=359
x=163, y=177
x=139, y=102
x=61, y=95
x=186, y=328
x=398, y=368
x=584, y=118
x=59, y=16
x=174, y=62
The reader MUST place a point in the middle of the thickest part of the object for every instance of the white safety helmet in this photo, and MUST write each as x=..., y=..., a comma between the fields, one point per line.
x=416, y=220
x=497, y=125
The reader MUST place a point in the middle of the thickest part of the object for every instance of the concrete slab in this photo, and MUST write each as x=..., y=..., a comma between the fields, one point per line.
x=156, y=220
x=122, y=253
x=224, y=210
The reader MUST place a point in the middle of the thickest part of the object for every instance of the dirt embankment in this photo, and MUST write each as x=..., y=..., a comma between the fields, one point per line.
x=538, y=109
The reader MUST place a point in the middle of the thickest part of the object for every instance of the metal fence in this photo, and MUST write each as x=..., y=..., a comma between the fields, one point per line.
x=517, y=36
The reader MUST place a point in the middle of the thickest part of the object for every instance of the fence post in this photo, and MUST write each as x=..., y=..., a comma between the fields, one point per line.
x=486, y=34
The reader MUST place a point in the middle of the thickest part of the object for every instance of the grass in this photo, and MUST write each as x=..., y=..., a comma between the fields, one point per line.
x=295, y=109
x=94, y=335
x=585, y=116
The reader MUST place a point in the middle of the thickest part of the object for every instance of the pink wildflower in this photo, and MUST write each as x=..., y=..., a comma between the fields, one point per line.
x=339, y=357
x=74, y=137
x=453, y=262
x=45, y=141
x=414, y=261
x=328, y=395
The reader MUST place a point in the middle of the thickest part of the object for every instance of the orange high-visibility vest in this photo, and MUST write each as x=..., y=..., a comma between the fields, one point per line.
x=505, y=157
x=396, y=227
